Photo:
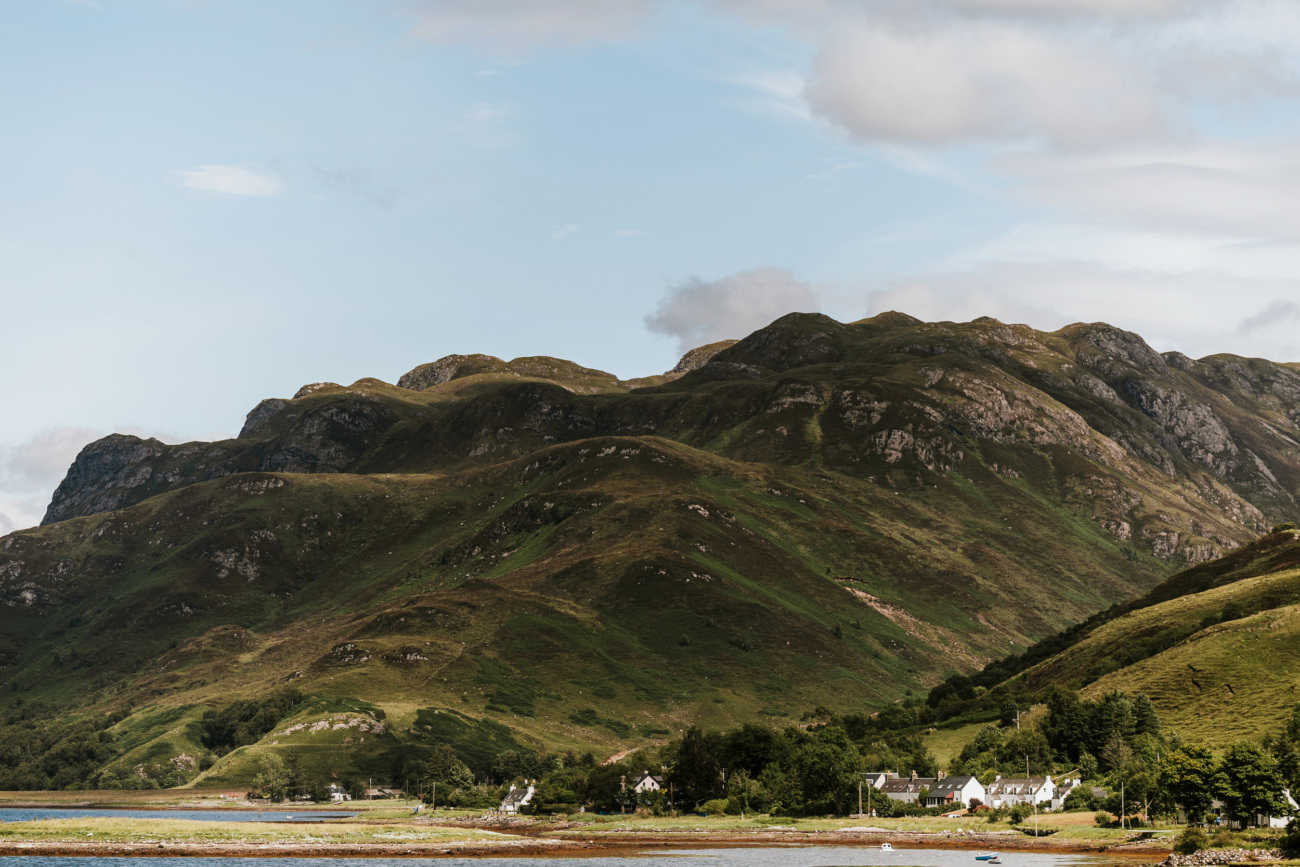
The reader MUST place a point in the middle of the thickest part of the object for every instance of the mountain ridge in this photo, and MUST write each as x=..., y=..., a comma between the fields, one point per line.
x=819, y=513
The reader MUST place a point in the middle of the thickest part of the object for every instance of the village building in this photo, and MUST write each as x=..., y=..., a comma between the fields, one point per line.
x=518, y=797
x=955, y=792
x=905, y=789
x=1009, y=791
x=645, y=782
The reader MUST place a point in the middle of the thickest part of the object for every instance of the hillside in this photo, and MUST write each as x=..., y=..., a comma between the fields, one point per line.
x=535, y=553
x=1216, y=647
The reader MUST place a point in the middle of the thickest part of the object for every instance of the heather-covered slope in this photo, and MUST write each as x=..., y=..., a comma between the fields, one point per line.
x=819, y=513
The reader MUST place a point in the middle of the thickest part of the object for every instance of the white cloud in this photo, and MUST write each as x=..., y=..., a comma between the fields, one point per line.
x=979, y=80
x=1224, y=189
x=564, y=231
x=232, y=181
x=697, y=312
x=41, y=462
x=31, y=470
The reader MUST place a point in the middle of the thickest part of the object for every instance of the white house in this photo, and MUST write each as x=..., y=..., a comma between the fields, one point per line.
x=517, y=798
x=1009, y=791
x=1063, y=789
x=646, y=782
x=955, y=792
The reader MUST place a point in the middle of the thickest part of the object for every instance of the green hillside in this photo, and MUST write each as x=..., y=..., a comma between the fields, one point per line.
x=533, y=554
x=1216, y=648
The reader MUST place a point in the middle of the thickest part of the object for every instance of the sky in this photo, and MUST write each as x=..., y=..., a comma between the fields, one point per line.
x=204, y=203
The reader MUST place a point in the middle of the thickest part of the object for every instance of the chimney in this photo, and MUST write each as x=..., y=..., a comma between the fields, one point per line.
x=942, y=775
x=914, y=775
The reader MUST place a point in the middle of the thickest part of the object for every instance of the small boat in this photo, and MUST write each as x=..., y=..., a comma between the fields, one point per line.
x=986, y=856
x=995, y=860
x=886, y=847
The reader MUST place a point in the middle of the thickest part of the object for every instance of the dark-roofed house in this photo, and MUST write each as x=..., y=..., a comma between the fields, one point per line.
x=646, y=782
x=517, y=798
x=906, y=789
x=955, y=792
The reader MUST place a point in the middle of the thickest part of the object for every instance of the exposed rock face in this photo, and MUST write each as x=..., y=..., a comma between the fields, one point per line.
x=102, y=475
x=700, y=356
x=259, y=414
x=313, y=387
x=445, y=370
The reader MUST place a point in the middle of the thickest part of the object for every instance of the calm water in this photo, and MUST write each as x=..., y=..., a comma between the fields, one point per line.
x=28, y=814
x=770, y=856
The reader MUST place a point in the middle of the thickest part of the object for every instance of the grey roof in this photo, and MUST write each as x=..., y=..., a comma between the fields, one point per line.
x=950, y=784
x=908, y=785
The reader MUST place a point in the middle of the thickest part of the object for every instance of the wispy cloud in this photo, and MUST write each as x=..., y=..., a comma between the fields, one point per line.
x=486, y=125
x=564, y=231
x=232, y=181
x=834, y=170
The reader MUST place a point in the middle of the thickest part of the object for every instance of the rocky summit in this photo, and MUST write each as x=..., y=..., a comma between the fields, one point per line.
x=820, y=513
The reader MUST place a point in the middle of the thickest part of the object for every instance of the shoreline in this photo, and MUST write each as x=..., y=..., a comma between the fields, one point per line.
x=542, y=842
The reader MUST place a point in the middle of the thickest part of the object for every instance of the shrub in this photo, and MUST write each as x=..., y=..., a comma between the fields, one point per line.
x=715, y=807
x=1102, y=818
x=1290, y=842
x=1191, y=840
x=1278, y=528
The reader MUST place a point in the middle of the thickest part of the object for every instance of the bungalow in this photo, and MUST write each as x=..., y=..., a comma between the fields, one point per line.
x=1009, y=791
x=955, y=792
x=518, y=797
x=906, y=790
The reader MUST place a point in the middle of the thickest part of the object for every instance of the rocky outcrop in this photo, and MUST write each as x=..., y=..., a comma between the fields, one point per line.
x=700, y=356
x=260, y=414
x=102, y=476
x=446, y=369
x=1207, y=857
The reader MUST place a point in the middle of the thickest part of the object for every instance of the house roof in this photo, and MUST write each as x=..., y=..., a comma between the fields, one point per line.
x=950, y=784
x=1018, y=785
x=902, y=786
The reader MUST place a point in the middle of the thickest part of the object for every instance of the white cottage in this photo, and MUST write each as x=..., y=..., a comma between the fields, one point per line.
x=1009, y=791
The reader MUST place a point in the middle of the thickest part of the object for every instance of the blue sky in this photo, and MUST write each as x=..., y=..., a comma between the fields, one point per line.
x=208, y=202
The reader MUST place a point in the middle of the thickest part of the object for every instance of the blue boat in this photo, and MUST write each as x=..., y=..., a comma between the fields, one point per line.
x=986, y=856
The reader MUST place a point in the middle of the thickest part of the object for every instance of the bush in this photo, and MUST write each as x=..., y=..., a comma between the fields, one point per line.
x=1290, y=842
x=1278, y=528
x=1102, y=818
x=716, y=807
x=1191, y=840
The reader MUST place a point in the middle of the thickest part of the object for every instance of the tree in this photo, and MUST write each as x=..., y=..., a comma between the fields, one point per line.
x=1188, y=779
x=696, y=774
x=273, y=777
x=829, y=768
x=446, y=768
x=1250, y=783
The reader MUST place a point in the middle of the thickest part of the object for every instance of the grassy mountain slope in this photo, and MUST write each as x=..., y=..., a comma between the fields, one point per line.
x=533, y=552
x=1217, y=647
